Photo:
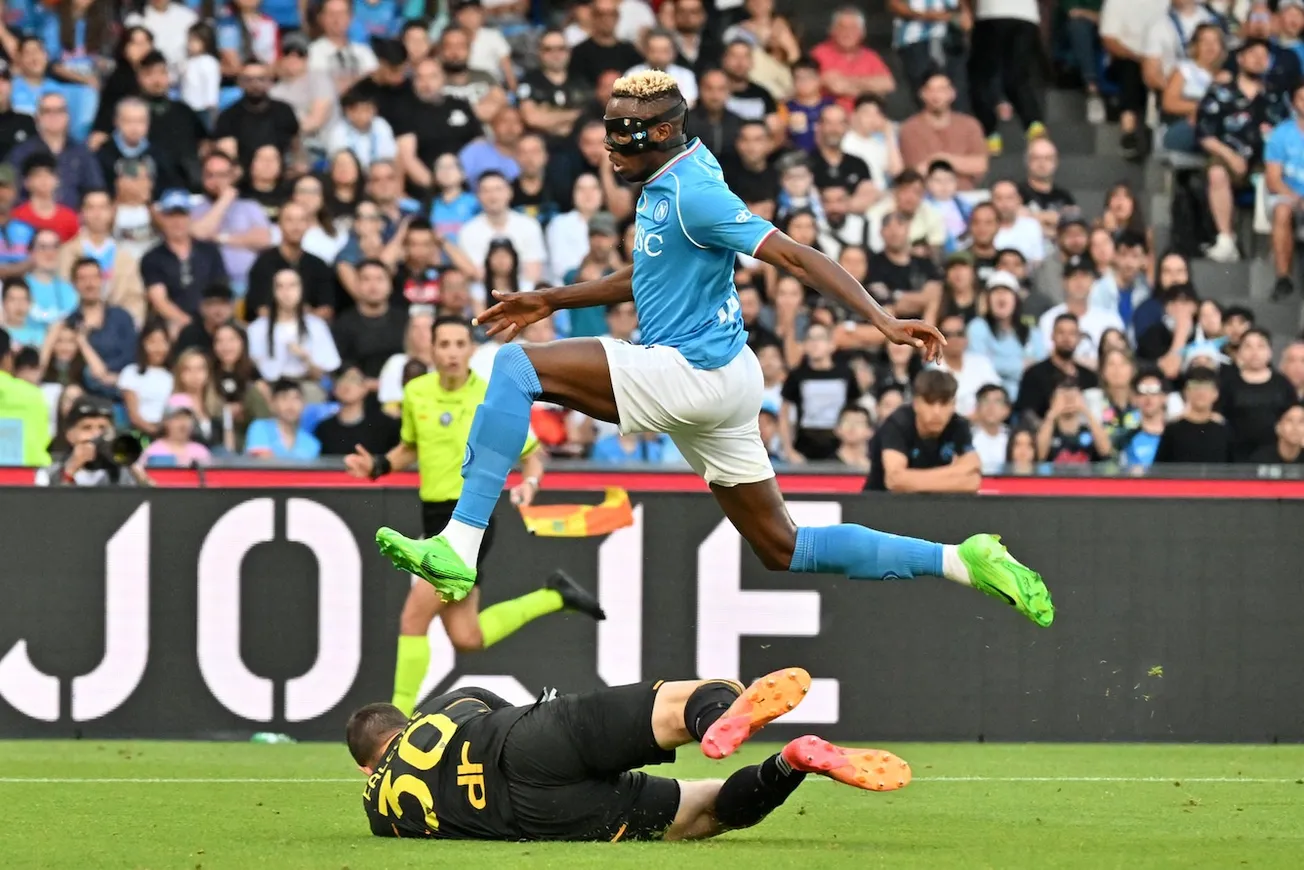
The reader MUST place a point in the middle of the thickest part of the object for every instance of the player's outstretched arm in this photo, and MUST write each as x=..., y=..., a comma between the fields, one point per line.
x=814, y=269
x=515, y=311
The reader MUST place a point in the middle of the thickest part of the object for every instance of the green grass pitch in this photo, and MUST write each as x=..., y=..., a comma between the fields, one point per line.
x=209, y=806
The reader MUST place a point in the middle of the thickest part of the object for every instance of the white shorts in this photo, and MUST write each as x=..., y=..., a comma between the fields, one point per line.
x=710, y=415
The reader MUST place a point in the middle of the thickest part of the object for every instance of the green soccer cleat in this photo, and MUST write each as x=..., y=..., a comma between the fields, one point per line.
x=998, y=574
x=432, y=559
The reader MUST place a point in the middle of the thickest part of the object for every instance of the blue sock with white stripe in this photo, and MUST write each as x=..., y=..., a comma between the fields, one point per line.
x=497, y=437
x=864, y=554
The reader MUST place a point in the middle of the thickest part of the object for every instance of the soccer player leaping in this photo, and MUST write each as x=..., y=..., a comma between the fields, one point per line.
x=693, y=377
x=471, y=766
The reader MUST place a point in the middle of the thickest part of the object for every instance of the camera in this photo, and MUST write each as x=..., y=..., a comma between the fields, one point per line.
x=118, y=452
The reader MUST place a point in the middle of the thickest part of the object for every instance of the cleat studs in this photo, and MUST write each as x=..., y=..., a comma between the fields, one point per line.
x=770, y=683
x=805, y=689
x=791, y=705
x=792, y=675
x=880, y=785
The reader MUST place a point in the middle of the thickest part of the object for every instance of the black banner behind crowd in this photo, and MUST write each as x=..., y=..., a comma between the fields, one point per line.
x=219, y=613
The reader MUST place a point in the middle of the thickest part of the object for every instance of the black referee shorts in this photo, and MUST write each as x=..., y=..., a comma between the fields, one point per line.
x=436, y=514
x=569, y=762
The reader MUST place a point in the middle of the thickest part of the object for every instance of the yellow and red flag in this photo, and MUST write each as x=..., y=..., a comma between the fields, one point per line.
x=580, y=520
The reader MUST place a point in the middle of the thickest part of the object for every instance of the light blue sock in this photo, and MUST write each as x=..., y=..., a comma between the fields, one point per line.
x=498, y=435
x=864, y=554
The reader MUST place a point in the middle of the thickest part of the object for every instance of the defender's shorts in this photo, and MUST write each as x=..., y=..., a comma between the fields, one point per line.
x=568, y=766
x=710, y=415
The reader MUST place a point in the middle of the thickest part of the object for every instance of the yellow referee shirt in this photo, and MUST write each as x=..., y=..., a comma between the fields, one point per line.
x=438, y=422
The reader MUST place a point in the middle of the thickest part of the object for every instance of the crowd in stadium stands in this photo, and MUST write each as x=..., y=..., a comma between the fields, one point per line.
x=237, y=222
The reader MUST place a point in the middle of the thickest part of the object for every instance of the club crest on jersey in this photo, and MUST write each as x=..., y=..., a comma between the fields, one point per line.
x=445, y=419
x=661, y=211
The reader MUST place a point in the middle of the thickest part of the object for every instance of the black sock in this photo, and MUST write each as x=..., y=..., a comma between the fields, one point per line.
x=707, y=704
x=752, y=793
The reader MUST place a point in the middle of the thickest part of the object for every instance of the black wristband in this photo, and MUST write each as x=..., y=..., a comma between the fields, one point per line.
x=380, y=466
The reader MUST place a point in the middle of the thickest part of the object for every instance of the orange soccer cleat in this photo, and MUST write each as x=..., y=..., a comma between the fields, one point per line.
x=764, y=701
x=870, y=769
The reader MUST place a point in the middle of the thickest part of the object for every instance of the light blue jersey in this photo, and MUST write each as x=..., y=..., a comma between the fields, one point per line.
x=688, y=227
x=1285, y=146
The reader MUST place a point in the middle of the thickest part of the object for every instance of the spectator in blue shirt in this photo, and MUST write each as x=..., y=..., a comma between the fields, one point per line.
x=1283, y=157
x=623, y=449
x=375, y=18
x=1140, y=444
x=33, y=82
x=16, y=318
x=483, y=155
x=30, y=79
x=281, y=436
x=110, y=330
x=1003, y=336
x=15, y=235
x=53, y=298
x=453, y=205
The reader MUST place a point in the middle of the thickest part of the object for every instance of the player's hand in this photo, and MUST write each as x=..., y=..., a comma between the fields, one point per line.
x=523, y=493
x=359, y=463
x=512, y=313
x=918, y=334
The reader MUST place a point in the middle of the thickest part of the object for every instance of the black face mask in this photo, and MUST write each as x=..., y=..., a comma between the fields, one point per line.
x=634, y=135
x=454, y=69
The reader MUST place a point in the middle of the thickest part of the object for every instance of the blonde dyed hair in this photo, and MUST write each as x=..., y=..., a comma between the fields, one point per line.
x=649, y=84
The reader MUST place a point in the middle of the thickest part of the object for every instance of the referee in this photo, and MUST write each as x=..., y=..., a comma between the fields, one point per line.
x=437, y=413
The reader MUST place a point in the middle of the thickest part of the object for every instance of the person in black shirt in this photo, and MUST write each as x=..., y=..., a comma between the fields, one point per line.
x=748, y=100
x=815, y=394
x=1173, y=332
x=131, y=141
x=699, y=49
x=1040, y=195
x=1230, y=125
x=1070, y=435
x=1289, y=449
x=984, y=224
x=832, y=166
x=749, y=309
x=602, y=50
x=388, y=85
x=550, y=98
x=374, y=331
x=15, y=127
x=175, y=130
x=178, y=269
x=357, y=422
x=908, y=283
x=751, y=174
x=1253, y=396
x=419, y=278
x=1040, y=381
x=1198, y=437
x=435, y=124
x=256, y=119
x=925, y=446
x=318, y=278
x=533, y=191
x=710, y=120
x=216, y=307
x=471, y=766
